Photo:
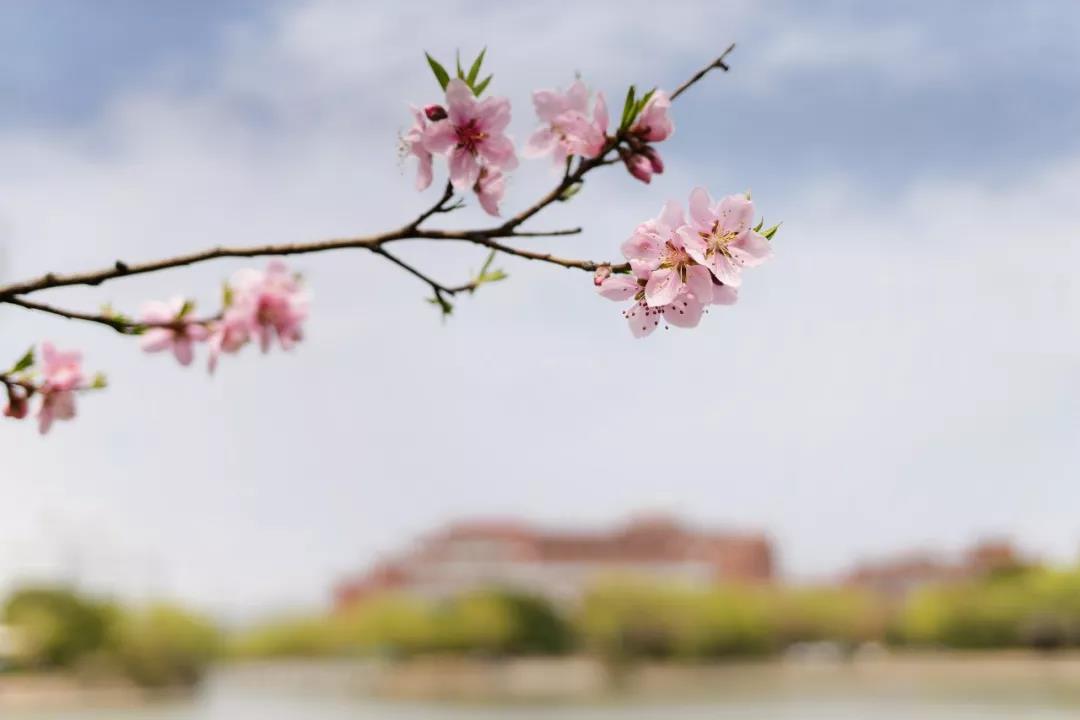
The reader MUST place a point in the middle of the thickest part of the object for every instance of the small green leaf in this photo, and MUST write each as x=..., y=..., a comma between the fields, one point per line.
x=771, y=231
x=457, y=60
x=440, y=72
x=757, y=228
x=443, y=304
x=640, y=105
x=185, y=309
x=486, y=274
x=474, y=71
x=490, y=277
x=226, y=295
x=25, y=362
x=628, y=108
x=487, y=262
x=99, y=382
x=482, y=86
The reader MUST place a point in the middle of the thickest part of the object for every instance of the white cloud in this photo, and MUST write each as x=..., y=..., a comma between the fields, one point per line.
x=900, y=373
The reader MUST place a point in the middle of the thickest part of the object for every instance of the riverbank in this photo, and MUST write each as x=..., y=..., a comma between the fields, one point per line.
x=58, y=691
x=1006, y=676
x=583, y=679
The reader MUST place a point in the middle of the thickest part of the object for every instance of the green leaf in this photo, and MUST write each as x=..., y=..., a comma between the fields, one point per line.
x=486, y=274
x=474, y=71
x=25, y=362
x=457, y=60
x=757, y=228
x=487, y=262
x=440, y=72
x=771, y=231
x=490, y=277
x=99, y=382
x=443, y=304
x=227, y=296
x=640, y=105
x=185, y=309
x=482, y=86
x=627, y=109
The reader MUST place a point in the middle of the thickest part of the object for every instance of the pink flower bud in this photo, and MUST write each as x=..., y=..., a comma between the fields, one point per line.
x=654, y=159
x=602, y=273
x=18, y=405
x=639, y=166
x=435, y=113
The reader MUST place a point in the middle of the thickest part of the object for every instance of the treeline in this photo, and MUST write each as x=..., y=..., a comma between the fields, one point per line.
x=1035, y=608
x=58, y=629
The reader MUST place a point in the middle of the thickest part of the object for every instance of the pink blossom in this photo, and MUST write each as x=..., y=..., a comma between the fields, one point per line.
x=489, y=188
x=473, y=132
x=721, y=238
x=414, y=145
x=642, y=318
x=568, y=130
x=62, y=373
x=657, y=247
x=228, y=334
x=267, y=304
x=654, y=123
x=179, y=335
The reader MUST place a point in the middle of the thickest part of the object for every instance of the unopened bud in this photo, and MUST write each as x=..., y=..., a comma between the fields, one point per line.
x=17, y=407
x=639, y=166
x=654, y=159
x=602, y=273
x=435, y=113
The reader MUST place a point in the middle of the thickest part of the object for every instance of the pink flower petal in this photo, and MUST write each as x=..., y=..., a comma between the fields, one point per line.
x=663, y=287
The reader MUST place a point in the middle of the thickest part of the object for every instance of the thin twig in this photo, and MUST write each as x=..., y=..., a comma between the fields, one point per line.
x=117, y=324
x=435, y=285
x=717, y=63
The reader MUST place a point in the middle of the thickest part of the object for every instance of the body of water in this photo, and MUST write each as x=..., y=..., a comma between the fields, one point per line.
x=1018, y=691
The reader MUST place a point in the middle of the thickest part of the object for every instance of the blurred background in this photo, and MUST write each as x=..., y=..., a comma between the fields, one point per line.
x=852, y=495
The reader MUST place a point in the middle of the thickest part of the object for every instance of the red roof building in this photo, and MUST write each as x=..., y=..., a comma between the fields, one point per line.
x=562, y=565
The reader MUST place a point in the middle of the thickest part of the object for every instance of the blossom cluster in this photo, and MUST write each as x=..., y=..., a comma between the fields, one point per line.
x=679, y=266
x=51, y=384
x=678, y=263
x=259, y=305
x=471, y=133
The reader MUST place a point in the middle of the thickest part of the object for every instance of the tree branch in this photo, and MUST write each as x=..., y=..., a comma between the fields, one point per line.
x=717, y=63
x=487, y=237
x=117, y=324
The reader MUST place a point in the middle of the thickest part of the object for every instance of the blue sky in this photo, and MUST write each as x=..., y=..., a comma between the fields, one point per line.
x=903, y=374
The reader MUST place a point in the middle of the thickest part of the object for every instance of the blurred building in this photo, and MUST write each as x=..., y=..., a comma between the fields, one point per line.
x=561, y=565
x=897, y=576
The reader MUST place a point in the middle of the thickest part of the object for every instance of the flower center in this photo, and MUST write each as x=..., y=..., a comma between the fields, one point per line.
x=470, y=136
x=719, y=240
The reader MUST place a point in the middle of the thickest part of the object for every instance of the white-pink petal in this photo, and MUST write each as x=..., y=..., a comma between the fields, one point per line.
x=663, y=287
x=618, y=287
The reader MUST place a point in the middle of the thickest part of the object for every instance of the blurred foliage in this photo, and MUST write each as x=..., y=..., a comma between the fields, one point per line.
x=56, y=625
x=1038, y=608
x=625, y=619
x=60, y=629
x=163, y=646
x=620, y=620
x=489, y=623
